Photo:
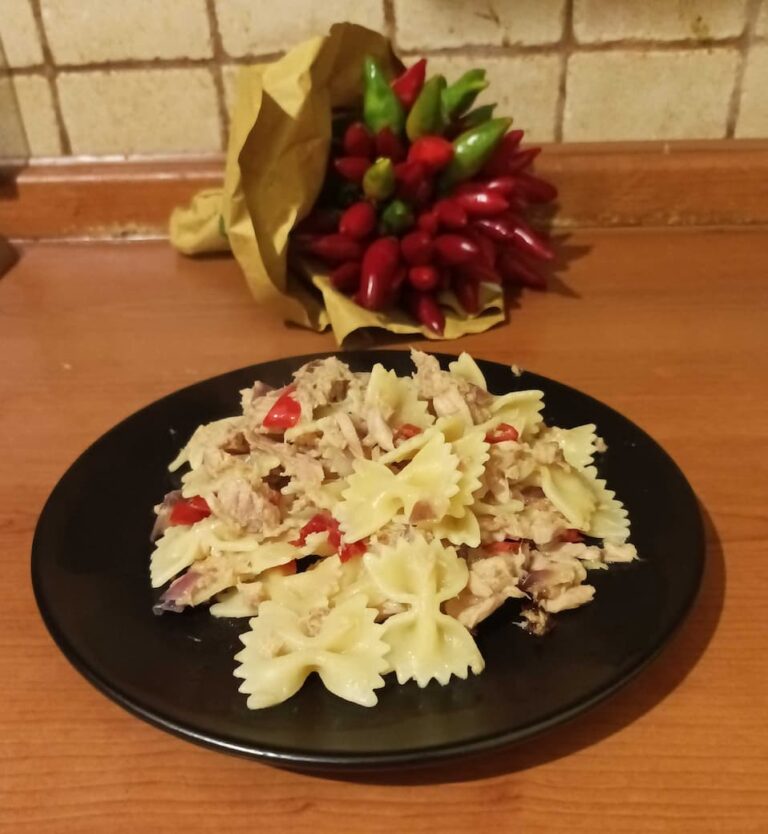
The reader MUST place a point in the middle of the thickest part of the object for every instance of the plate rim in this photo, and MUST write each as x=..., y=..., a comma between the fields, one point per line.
x=340, y=761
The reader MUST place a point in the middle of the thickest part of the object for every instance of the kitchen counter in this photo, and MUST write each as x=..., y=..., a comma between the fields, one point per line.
x=668, y=327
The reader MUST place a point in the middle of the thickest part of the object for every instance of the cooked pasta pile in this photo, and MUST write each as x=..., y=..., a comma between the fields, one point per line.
x=367, y=523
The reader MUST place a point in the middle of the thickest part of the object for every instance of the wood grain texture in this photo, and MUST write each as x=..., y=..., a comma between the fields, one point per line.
x=601, y=185
x=668, y=327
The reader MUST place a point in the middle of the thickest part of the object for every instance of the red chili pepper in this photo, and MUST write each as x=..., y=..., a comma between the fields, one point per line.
x=424, y=278
x=424, y=308
x=456, y=249
x=527, y=241
x=351, y=550
x=285, y=413
x=406, y=431
x=480, y=273
x=535, y=189
x=352, y=168
x=408, y=85
x=503, y=547
x=409, y=177
x=358, y=221
x=346, y=278
x=187, y=511
x=428, y=222
x=496, y=166
x=417, y=248
x=502, y=433
x=335, y=248
x=433, y=151
x=506, y=186
x=358, y=141
x=516, y=271
x=380, y=262
x=571, y=535
x=482, y=203
x=467, y=291
x=450, y=214
x=390, y=145
x=498, y=229
x=486, y=246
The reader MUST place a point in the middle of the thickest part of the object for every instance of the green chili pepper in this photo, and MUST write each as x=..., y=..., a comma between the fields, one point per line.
x=396, y=218
x=381, y=107
x=471, y=149
x=459, y=96
x=379, y=179
x=477, y=116
x=426, y=116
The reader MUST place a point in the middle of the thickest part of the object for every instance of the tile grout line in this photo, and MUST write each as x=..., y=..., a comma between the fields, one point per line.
x=747, y=38
x=390, y=21
x=217, y=70
x=49, y=72
x=567, y=44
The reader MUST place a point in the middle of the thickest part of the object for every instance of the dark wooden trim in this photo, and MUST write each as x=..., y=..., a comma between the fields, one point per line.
x=601, y=185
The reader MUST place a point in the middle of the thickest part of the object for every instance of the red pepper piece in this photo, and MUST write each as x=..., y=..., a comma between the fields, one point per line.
x=352, y=168
x=516, y=271
x=390, y=145
x=450, y=214
x=432, y=151
x=506, y=186
x=502, y=433
x=358, y=141
x=503, y=547
x=380, y=263
x=417, y=248
x=456, y=249
x=346, y=278
x=285, y=413
x=335, y=248
x=187, y=511
x=571, y=535
x=406, y=431
x=408, y=85
x=521, y=160
x=424, y=278
x=322, y=522
x=424, y=308
x=358, y=221
x=351, y=550
x=467, y=291
x=486, y=246
x=535, y=189
x=480, y=273
x=482, y=203
x=428, y=222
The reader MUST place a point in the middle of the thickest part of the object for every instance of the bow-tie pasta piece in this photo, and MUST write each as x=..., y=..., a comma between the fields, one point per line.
x=467, y=369
x=520, y=409
x=424, y=643
x=283, y=647
x=396, y=398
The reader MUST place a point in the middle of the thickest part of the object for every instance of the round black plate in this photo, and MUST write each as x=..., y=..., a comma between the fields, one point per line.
x=90, y=574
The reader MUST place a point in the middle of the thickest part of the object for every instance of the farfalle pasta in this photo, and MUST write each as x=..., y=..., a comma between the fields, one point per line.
x=364, y=524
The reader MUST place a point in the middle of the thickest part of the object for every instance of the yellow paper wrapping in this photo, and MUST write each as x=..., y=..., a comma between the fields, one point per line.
x=279, y=143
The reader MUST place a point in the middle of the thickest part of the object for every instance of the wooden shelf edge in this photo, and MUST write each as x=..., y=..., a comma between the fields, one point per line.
x=601, y=185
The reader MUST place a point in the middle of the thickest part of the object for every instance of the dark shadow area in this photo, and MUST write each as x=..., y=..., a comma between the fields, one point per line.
x=650, y=688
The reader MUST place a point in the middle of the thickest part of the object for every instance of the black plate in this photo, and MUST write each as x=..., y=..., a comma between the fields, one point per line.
x=90, y=573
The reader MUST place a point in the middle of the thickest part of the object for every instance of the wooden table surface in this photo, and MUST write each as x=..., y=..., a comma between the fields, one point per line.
x=668, y=327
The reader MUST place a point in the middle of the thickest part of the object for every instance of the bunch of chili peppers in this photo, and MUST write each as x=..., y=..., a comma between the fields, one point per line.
x=425, y=194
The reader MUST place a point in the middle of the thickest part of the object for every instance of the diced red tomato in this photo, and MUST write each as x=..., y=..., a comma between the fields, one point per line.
x=285, y=413
x=321, y=523
x=571, y=535
x=406, y=431
x=501, y=433
x=503, y=547
x=189, y=511
x=350, y=551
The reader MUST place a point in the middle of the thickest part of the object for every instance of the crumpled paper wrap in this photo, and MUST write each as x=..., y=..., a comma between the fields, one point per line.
x=280, y=138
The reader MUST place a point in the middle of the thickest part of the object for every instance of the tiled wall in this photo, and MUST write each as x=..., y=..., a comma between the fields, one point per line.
x=156, y=76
